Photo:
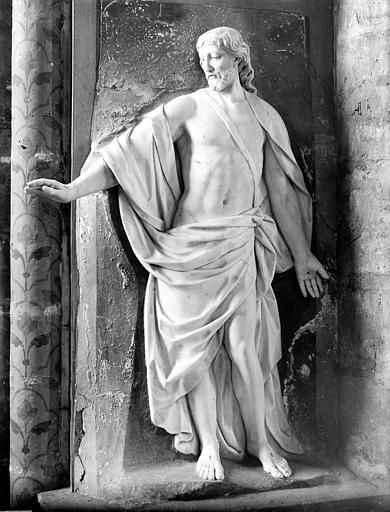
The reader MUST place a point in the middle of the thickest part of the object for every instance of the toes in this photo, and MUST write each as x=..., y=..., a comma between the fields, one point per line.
x=206, y=472
x=275, y=473
x=209, y=466
x=285, y=472
x=210, y=474
x=273, y=470
x=283, y=467
x=219, y=474
x=201, y=471
x=283, y=464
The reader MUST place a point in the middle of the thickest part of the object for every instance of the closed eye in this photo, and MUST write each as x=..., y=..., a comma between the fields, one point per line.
x=211, y=57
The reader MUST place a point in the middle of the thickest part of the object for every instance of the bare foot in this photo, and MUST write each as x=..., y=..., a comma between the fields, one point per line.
x=274, y=464
x=209, y=465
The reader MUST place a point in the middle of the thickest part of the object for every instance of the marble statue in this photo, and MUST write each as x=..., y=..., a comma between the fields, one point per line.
x=212, y=229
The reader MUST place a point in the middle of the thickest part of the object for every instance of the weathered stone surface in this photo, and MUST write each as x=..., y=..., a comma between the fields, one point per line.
x=363, y=88
x=177, y=480
x=348, y=494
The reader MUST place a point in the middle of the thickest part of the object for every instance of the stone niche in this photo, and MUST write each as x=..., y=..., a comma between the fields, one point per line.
x=138, y=69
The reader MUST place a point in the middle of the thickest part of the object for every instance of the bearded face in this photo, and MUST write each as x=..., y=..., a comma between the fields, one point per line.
x=219, y=67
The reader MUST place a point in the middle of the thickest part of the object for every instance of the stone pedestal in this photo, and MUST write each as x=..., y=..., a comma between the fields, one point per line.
x=312, y=489
x=160, y=484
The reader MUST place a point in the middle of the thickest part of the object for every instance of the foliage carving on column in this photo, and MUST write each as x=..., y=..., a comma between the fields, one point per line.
x=39, y=282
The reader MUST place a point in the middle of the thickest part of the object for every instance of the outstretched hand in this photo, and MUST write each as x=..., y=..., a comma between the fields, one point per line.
x=310, y=273
x=50, y=189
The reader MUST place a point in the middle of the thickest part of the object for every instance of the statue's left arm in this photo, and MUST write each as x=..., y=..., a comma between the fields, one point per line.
x=286, y=211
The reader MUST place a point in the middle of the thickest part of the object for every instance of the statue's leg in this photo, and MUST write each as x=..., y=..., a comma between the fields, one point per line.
x=202, y=401
x=248, y=385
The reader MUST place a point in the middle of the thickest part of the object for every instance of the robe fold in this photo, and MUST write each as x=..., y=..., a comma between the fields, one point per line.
x=200, y=274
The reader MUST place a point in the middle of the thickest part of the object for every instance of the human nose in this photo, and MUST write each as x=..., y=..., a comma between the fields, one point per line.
x=207, y=64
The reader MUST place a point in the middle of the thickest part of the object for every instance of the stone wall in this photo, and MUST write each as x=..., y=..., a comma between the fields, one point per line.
x=362, y=96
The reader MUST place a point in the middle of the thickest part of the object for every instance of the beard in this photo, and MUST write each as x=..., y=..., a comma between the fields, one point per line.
x=224, y=79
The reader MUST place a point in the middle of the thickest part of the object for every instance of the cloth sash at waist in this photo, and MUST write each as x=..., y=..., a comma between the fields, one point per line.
x=209, y=247
x=200, y=274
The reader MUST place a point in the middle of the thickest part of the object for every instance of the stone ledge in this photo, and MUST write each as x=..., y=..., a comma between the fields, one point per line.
x=177, y=480
x=175, y=484
x=356, y=497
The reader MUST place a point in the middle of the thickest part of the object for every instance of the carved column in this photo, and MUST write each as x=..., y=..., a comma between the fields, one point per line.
x=5, y=186
x=39, y=268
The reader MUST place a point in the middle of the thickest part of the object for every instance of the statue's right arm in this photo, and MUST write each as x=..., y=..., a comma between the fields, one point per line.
x=178, y=111
x=95, y=176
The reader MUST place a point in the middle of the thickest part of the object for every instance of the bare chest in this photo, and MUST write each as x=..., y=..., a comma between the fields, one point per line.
x=238, y=132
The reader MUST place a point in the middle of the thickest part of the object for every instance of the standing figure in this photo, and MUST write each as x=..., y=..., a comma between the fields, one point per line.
x=212, y=227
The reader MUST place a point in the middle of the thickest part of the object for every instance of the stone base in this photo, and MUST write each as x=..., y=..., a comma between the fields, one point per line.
x=338, y=498
x=177, y=480
x=175, y=486
x=352, y=497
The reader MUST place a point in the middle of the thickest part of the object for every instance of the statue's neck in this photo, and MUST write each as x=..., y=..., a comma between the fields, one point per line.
x=233, y=93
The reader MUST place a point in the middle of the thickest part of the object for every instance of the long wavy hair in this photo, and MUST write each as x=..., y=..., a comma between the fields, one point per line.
x=230, y=40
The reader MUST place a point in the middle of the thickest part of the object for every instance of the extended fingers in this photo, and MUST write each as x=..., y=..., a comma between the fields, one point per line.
x=309, y=288
x=302, y=287
x=40, y=182
x=49, y=191
x=323, y=273
x=311, y=283
x=33, y=191
x=319, y=284
x=39, y=191
x=315, y=287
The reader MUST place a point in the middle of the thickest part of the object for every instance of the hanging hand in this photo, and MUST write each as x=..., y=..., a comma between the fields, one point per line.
x=310, y=273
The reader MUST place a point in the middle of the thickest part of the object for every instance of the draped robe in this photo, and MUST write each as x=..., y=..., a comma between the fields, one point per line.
x=200, y=274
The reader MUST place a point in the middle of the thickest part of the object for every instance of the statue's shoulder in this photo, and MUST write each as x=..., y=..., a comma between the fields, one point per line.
x=269, y=118
x=180, y=109
x=177, y=112
x=264, y=108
